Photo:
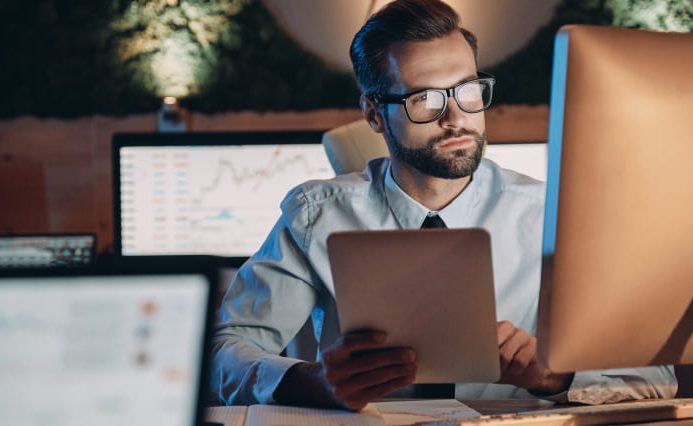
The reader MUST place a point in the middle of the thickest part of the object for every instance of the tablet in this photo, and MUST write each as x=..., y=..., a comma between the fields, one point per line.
x=430, y=289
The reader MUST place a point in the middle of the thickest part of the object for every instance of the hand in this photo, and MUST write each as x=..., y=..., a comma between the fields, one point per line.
x=354, y=371
x=519, y=366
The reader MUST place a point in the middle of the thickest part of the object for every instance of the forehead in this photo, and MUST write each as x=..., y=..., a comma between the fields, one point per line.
x=438, y=63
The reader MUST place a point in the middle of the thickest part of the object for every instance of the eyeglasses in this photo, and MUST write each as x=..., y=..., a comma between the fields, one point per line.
x=425, y=106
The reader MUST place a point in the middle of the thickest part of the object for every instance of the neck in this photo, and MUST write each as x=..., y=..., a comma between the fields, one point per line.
x=432, y=192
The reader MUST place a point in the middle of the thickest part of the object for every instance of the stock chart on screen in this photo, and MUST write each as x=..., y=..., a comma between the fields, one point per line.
x=208, y=199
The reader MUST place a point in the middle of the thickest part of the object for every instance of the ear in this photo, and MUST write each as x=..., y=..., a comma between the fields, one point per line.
x=371, y=113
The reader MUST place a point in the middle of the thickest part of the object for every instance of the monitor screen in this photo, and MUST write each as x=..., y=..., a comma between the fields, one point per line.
x=617, y=274
x=19, y=251
x=526, y=158
x=216, y=195
x=106, y=350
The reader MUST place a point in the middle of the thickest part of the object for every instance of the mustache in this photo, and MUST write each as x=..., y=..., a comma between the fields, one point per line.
x=450, y=133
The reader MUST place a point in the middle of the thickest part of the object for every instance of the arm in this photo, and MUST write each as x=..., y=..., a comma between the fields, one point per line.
x=264, y=307
x=519, y=367
x=354, y=371
x=267, y=303
x=623, y=384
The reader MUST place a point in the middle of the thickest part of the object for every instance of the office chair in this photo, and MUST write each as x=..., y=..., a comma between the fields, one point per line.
x=351, y=146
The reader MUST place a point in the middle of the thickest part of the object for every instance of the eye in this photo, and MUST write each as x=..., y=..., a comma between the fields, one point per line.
x=419, y=98
x=469, y=92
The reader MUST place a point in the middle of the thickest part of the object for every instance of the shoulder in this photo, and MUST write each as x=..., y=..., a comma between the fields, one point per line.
x=317, y=207
x=341, y=189
x=509, y=183
x=512, y=204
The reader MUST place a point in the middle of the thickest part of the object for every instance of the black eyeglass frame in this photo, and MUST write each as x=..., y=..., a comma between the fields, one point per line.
x=386, y=98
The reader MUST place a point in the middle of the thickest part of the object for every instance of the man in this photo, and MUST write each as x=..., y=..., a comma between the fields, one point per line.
x=421, y=89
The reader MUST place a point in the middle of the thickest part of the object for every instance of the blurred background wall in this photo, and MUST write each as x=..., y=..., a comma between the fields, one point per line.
x=75, y=72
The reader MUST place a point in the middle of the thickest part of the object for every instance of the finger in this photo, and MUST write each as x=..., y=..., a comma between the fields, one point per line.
x=377, y=377
x=341, y=372
x=510, y=347
x=524, y=357
x=352, y=342
x=505, y=330
x=375, y=392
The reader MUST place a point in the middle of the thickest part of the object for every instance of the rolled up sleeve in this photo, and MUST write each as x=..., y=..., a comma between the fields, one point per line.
x=268, y=301
x=625, y=384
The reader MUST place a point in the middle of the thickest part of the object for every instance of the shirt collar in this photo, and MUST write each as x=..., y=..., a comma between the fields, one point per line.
x=411, y=214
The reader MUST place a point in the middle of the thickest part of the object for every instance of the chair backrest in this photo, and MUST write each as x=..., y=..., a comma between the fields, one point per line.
x=350, y=147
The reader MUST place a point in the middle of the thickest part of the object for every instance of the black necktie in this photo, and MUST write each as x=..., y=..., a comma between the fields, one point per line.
x=433, y=390
x=433, y=221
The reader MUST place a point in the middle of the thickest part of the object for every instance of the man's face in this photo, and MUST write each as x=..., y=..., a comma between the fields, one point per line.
x=450, y=147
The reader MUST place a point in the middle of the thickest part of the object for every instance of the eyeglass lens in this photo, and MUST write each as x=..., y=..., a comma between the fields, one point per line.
x=427, y=105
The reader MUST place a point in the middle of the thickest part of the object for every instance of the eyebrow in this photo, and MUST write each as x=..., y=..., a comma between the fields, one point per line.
x=463, y=80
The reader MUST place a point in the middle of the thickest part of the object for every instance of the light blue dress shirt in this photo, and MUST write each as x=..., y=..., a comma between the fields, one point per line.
x=289, y=279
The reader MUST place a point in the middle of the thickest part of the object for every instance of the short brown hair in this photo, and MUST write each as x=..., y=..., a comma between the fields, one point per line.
x=399, y=21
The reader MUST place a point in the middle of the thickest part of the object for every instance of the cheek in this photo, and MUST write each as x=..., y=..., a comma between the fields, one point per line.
x=478, y=122
x=411, y=135
x=396, y=125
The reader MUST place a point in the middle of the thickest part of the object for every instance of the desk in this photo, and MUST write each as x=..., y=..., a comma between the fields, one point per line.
x=492, y=407
x=643, y=416
x=503, y=412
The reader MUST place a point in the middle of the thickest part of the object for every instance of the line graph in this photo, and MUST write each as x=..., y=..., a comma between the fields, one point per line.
x=211, y=199
x=280, y=164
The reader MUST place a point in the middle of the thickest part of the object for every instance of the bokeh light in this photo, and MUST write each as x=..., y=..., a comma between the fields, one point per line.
x=168, y=43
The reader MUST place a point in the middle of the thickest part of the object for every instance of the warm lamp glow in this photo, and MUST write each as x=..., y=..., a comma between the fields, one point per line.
x=173, y=67
x=168, y=42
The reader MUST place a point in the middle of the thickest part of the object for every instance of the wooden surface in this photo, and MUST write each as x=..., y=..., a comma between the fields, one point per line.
x=491, y=407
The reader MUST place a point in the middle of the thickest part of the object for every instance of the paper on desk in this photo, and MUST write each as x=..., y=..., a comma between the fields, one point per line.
x=409, y=412
x=278, y=415
x=228, y=416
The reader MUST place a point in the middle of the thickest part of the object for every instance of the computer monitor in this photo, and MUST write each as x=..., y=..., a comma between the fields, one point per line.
x=617, y=279
x=207, y=193
x=528, y=158
x=119, y=344
x=47, y=250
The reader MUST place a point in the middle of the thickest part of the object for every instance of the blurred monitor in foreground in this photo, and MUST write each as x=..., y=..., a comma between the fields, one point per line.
x=617, y=280
x=122, y=345
x=49, y=250
x=207, y=193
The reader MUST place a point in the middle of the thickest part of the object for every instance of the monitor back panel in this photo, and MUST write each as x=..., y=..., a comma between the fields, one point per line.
x=617, y=282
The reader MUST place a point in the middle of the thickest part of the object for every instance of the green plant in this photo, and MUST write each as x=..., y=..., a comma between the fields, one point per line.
x=68, y=58
x=78, y=57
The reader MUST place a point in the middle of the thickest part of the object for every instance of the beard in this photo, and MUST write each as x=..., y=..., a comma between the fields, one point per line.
x=452, y=165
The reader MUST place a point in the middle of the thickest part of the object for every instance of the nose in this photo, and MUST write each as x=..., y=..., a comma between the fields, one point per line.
x=454, y=117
